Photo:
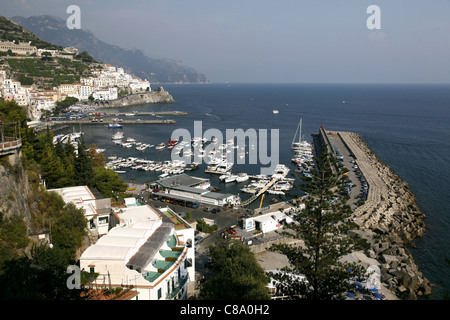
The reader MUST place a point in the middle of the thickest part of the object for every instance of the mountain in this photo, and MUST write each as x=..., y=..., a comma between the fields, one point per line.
x=54, y=30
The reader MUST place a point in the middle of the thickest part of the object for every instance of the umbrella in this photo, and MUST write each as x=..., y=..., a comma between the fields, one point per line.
x=373, y=289
x=350, y=295
x=367, y=297
x=358, y=284
x=378, y=296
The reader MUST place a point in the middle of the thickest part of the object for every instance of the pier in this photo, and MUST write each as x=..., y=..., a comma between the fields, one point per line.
x=256, y=196
x=90, y=122
x=154, y=113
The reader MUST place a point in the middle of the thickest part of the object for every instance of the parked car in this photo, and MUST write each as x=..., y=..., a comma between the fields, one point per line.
x=208, y=209
x=198, y=239
x=195, y=205
x=231, y=231
x=215, y=210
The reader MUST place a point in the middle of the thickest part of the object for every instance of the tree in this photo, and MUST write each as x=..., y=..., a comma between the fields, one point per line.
x=323, y=226
x=84, y=167
x=41, y=277
x=108, y=182
x=236, y=274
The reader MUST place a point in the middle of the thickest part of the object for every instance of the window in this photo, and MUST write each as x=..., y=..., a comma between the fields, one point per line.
x=91, y=269
x=159, y=293
x=103, y=220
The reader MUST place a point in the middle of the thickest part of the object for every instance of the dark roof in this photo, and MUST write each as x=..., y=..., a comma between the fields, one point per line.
x=148, y=250
x=183, y=180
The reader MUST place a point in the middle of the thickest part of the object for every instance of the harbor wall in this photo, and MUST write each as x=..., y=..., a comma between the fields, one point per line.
x=389, y=220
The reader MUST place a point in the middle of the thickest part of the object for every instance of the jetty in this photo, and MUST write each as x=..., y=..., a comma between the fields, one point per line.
x=89, y=122
x=389, y=218
x=260, y=192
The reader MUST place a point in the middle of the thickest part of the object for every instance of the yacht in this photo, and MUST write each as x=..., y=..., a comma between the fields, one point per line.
x=241, y=177
x=219, y=168
x=117, y=135
x=114, y=125
x=275, y=111
x=280, y=171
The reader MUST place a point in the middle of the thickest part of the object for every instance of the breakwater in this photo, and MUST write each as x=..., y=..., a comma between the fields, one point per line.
x=151, y=97
x=389, y=220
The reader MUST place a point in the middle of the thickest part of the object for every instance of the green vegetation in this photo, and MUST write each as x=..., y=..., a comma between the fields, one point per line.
x=203, y=227
x=323, y=226
x=11, y=31
x=39, y=277
x=52, y=72
x=40, y=274
x=236, y=274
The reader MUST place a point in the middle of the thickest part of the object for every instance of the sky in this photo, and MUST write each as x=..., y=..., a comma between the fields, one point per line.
x=290, y=41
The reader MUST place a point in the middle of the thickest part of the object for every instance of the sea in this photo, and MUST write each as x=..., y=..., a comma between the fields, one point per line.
x=406, y=125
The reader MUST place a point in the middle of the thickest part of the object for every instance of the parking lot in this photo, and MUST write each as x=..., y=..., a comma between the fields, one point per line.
x=360, y=187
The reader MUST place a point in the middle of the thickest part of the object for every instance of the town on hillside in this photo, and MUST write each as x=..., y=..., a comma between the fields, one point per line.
x=104, y=82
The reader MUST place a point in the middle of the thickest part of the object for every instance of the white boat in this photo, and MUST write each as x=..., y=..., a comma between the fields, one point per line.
x=114, y=125
x=249, y=190
x=220, y=168
x=275, y=111
x=117, y=135
x=131, y=140
x=241, y=177
x=160, y=146
x=230, y=178
x=275, y=192
x=300, y=145
x=280, y=171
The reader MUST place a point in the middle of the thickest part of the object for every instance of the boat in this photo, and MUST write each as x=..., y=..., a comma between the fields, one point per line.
x=301, y=145
x=230, y=178
x=280, y=171
x=160, y=146
x=117, y=135
x=219, y=168
x=241, y=177
x=114, y=125
x=121, y=171
x=131, y=140
x=275, y=111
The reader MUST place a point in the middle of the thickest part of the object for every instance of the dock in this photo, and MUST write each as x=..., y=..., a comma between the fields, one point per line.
x=90, y=122
x=150, y=113
x=260, y=192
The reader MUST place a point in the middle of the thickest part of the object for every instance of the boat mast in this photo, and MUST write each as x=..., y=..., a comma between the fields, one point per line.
x=295, y=135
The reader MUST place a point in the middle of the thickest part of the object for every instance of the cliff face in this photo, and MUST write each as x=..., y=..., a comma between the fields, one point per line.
x=158, y=96
x=14, y=188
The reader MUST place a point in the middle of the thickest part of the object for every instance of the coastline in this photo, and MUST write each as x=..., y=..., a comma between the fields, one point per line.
x=159, y=95
x=389, y=220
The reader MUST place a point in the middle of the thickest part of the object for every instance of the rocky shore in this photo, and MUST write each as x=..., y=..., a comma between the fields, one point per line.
x=389, y=220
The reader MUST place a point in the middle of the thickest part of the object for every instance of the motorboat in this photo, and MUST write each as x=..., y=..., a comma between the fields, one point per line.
x=118, y=135
x=114, y=125
x=275, y=111
x=241, y=177
x=280, y=171
x=160, y=146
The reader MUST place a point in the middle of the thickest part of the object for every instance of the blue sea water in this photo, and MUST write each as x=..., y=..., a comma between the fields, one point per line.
x=408, y=127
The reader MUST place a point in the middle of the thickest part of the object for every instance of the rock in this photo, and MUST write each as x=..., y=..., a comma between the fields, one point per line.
x=390, y=260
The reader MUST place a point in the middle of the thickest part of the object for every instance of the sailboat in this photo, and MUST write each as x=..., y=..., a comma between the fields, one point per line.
x=301, y=144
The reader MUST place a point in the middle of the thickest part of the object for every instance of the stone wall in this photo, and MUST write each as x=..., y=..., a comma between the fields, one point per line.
x=392, y=219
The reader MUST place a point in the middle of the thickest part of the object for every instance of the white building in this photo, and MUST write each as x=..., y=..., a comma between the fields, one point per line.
x=106, y=94
x=96, y=211
x=192, y=189
x=147, y=250
x=267, y=222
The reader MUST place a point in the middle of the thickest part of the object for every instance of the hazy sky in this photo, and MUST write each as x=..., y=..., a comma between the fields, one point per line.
x=274, y=41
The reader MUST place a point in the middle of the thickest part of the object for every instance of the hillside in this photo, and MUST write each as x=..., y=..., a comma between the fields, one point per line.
x=54, y=30
x=10, y=31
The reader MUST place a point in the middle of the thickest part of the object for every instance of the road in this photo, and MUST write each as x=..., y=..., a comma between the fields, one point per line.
x=335, y=140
